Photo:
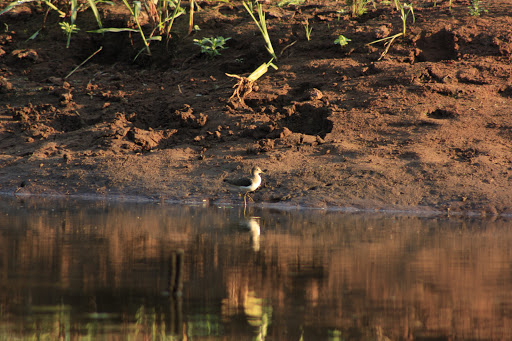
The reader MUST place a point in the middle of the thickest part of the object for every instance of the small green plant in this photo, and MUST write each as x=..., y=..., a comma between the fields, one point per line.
x=404, y=10
x=358, y=7
x=342, y=40
x=475, y=8
x=308, y=29
x=68, y=30
x=211, y=46
x=262, y=25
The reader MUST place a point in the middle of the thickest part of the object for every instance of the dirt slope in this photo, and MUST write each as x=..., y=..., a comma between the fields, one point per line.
x=426, y=126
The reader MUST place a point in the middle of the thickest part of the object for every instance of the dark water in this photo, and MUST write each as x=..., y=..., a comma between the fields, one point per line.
x=93, y=270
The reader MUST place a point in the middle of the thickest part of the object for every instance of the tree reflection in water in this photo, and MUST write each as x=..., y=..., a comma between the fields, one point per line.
x=140, y=271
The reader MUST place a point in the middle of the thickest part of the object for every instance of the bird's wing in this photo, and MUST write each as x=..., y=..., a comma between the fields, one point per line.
x=239, y=182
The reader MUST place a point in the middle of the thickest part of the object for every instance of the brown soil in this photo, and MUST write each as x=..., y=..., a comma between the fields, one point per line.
x=426, y=126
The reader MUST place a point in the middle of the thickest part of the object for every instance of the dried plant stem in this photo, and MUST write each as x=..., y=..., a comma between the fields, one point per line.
x=191, y=17
x=82, y=63
x=244, y=85
x=388, y=45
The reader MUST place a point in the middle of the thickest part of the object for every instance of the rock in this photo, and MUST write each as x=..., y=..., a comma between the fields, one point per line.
x=25, y=54
x=146, y=139
x=54, y=80
x=65, y=98
x=186, y=118
x=382, y=32
x=308, y=139
x=285, y=133
x=5, y=86
x=67, y=158
x=314, y=94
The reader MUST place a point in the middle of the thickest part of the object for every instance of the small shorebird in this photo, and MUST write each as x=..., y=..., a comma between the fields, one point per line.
x=247, y=185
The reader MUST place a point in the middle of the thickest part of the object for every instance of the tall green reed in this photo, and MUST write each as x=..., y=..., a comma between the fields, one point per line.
x=262, y=25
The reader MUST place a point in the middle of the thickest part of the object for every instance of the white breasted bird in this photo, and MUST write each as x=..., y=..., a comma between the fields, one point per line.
x=248, y=184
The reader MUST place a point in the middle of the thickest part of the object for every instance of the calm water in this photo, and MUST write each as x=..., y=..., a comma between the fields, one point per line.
x=93, y=270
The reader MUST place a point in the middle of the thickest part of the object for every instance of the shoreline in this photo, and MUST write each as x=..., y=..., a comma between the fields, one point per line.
x=205, y=203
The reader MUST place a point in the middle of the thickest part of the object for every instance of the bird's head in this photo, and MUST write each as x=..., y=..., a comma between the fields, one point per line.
x=256, y=170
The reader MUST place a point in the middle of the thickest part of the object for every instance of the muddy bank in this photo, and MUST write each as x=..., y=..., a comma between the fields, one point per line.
x=425, y=126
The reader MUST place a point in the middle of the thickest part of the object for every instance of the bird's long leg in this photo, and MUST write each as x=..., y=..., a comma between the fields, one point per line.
x=245, y=199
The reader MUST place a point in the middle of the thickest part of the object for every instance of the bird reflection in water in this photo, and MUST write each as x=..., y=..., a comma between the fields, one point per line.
x=252, y=225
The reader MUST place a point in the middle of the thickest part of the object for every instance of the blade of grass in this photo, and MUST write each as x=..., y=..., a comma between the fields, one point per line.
x=262, y=25
x=34, y=36
x=113, y=30
x=387, y=38
x=157, y=38
x=94, y=9
x=260, y=71
x=135, y=14
x=74, y=10
x=52, y=6
x=14, y=4
x=175, y=14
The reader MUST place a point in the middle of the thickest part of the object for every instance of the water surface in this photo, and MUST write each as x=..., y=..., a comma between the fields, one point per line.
x=119, y=271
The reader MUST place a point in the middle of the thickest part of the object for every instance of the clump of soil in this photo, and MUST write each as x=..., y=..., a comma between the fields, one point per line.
x=426, y=125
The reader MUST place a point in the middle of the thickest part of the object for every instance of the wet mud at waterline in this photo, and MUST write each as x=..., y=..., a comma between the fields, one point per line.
x=422, y=125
